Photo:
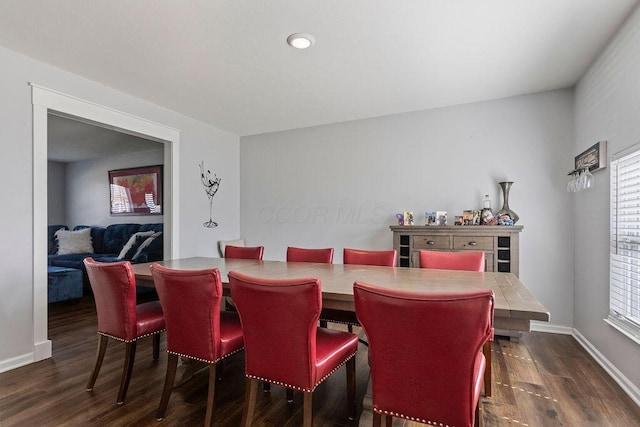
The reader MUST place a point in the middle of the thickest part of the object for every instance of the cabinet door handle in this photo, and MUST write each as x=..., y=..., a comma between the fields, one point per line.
x=431, y=242
x=473, y=243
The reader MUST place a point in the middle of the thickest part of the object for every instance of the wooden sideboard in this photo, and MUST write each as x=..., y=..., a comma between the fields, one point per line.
x=499, y=243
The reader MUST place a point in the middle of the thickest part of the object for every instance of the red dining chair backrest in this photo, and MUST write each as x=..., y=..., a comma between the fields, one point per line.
x=310, y=255
x=363, y=257
x=468, y=260
x=222, y=244
x=243, y=252
x=283, y=343
x=114, y=290
x=120, y=317
x=429, y=368
x=292, y=308
x=196, y=328
x=191, y=303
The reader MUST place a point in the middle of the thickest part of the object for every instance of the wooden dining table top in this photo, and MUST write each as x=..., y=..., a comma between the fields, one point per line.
x=512, y=299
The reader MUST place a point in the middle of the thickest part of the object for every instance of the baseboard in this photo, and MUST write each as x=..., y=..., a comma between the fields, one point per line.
x=16, y=362
x=42, y=350
x=627, y=386
x=551, y=329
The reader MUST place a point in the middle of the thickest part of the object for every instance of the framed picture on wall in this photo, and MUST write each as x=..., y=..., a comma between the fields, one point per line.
x=594, y=157
x=136, y=191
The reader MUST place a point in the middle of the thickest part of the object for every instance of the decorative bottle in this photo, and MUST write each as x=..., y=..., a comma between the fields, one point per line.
x=486, y=216
x=486, y=202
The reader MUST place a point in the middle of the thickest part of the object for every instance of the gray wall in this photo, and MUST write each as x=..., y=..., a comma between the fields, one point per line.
x=56, y=194
x=340, y=185
x=607, y=108
x=88, y=190
x=198, y=142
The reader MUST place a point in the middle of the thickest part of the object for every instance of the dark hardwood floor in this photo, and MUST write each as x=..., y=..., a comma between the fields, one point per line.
x=545, y=380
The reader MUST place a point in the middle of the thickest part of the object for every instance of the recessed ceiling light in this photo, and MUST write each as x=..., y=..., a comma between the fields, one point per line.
x=300, y=40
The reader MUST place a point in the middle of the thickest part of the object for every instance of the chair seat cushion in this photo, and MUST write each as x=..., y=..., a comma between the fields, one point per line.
x=333, y=348
x=149, y=318
x=231, y=338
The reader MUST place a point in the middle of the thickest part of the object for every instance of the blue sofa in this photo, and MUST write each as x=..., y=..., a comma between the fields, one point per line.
x=107, y=243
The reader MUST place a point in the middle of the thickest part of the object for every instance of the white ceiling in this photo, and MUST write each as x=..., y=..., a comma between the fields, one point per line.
x=72, y=141
x=226, y=62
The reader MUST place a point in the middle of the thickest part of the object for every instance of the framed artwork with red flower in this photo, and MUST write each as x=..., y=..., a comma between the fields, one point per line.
x=136, y=191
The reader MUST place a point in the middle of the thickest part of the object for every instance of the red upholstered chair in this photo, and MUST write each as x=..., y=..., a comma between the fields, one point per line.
x=196, y=328
x=241, y=252
x=324, y=256
x=362, y=257
x=114, y=291
x=283, y=344
x=425, y=352
x=358, y=257
x=222, y=244
x=467, y=261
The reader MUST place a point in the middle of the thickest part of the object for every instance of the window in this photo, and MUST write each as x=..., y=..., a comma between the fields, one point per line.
x=624, y=261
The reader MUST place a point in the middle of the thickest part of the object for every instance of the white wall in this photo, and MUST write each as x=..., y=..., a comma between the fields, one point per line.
x=219, y=150
x=56, y=180
x=88, y=188
x=607, y=108
x=340, y=185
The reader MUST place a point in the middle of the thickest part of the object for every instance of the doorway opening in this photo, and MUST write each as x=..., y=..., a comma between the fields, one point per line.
x=46, y=102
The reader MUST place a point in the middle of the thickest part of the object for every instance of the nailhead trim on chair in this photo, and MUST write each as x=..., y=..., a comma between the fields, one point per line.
x=135, y=339
x=300, y=388
x=420, y=420
x=204, y=360
x=340, y=321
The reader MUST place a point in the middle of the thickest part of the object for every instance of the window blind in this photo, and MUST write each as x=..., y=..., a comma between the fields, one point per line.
x=624, y=276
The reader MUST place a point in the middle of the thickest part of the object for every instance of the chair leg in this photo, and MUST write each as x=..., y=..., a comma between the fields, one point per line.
x=477, y=421
x=170, y=376
x=266, y=387
x=129, y=357
x=251, y=395
x=377, y=420
x=351, y=387
x=289, y=395
x=211, y=394
x=486, y=350
x=308, y=409
x=323, y=324
x=388, y=419
x=350, y=328
x=102, y=348
x=156, y=347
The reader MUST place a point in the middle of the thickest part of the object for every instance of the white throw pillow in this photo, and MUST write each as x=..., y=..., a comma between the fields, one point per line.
x=144, y=244
x=133, y=243
x=74, y=242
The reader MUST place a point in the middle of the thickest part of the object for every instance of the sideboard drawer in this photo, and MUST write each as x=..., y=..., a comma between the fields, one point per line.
x=480, y=243
x=431, y=242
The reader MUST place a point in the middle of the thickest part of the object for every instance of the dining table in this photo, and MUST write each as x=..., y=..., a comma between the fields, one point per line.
x=514, y=306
